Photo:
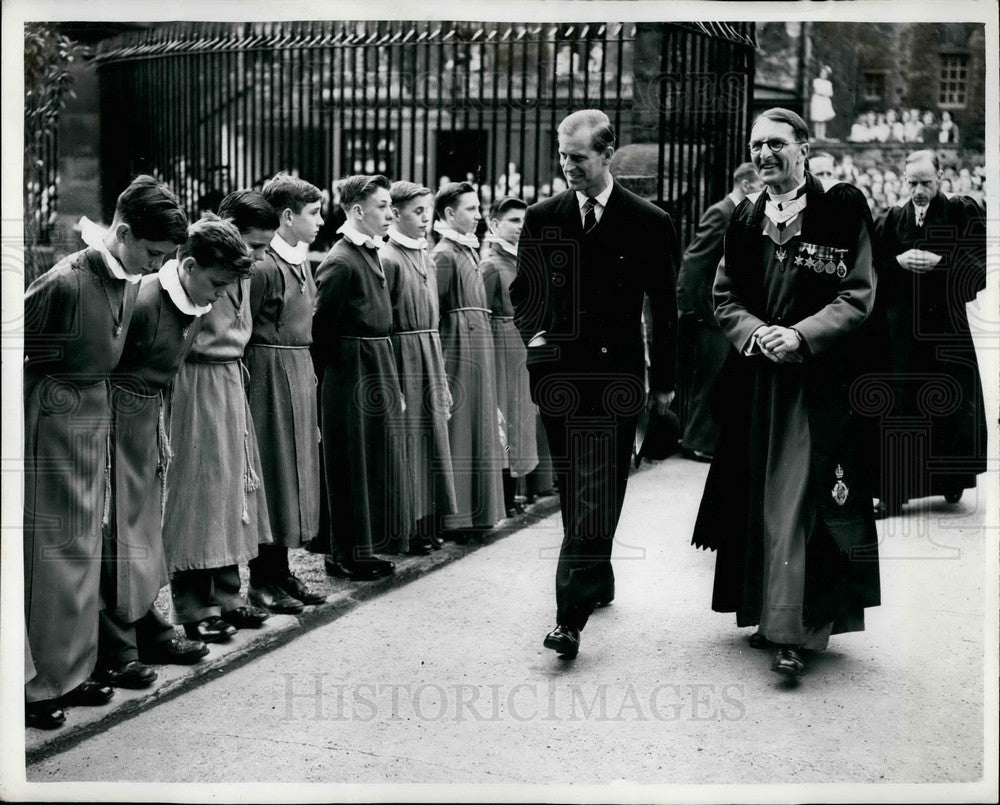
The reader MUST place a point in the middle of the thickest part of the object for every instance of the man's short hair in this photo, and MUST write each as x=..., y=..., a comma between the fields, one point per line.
x=745, y=170
x=448, y=196
x=355, y=189
x=506, y=204
x=152, y=210
x=286, y=192
x=594, y=119
x=403, y=193
x=248, y=209
x=212, y=241
x=925, y=154
x=780, y=115
x=822, y=155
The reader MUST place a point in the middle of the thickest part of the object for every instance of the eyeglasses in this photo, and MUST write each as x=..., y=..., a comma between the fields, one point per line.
x=774, y=145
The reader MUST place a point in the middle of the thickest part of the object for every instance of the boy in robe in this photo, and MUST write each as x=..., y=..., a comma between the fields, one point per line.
x=167, y=316
x=76, y=318
x=499, y=268
x=361, y=411
x=282, y=392
x=467, y=343
x=412, y=285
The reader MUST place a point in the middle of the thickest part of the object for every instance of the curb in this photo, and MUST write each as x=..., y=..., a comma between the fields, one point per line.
x=247, y=645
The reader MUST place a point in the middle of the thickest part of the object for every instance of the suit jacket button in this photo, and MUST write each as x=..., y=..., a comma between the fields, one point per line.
x=604, y=350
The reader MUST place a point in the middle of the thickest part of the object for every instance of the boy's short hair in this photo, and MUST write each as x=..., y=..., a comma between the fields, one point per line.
x=405, y=192
x=505, y=205
x=212, y=241
x=248, y=209
x=286, y=192
x=448, y=196
x=355, y=189
x=152, y=210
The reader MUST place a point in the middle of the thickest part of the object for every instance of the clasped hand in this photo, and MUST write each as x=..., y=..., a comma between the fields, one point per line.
x=779, y=344
x=918, y=260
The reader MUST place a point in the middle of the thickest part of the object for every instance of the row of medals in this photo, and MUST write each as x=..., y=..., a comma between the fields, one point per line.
x=818, y=258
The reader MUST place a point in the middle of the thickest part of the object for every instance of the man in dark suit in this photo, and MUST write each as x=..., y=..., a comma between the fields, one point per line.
x=931, y=263
x=585, y=259
x=702, y=346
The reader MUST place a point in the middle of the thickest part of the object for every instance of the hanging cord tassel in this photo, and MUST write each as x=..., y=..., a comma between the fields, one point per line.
x=165, y=453
x=250, y=480
x=106, y=518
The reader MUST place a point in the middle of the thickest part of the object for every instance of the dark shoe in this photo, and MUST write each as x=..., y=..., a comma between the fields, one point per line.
x=757, y=640
x=132, y=675
x=697, y=455
x=563, y=640
x=272, y=597
x=246, y=617
x=788, y=662
x=176, y=651
x=435, y=542
x=44, y=715
x=361, y=570
x=297, y=588
x=318, y=545
x=88, y=694
x=953, y=495
x=515, y=509
x=605, y=602
x=420, y=546
x=209, y=630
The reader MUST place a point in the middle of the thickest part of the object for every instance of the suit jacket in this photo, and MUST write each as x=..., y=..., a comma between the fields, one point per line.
x=700, y=262
x=586, y=292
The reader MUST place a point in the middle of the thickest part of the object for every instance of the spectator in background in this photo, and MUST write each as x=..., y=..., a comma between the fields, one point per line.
x=913, y=129
x=821, y=105
x=860, y=133
x=929, y=128
x=948, y=133
x=821, y=166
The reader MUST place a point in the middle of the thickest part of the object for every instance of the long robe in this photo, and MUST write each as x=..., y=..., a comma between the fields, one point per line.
x=157, y=343
x=513, y=393
x=215, y=513
x=76, y=316
x=361, y=416
x=793, y=556
x=417, y=344
x=933, y=436
x=473, y=430
x=282, y=396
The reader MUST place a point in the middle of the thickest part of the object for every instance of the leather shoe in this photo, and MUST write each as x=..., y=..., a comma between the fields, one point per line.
x=90, y=693
x=271, y=596
x=297, y=588
x=176, y=651
x=361, y=570
x=563, y=640
x=435, y=541
x=44, y=715
x=420, y=546
x=757, y=640
x=788, y=662
x=246, y=617
x=210, y=630
x=133, y=675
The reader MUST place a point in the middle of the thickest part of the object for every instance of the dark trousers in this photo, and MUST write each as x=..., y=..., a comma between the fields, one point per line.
x=591, y=459
x=270, y=565
x=121, y=643
x=200, y=594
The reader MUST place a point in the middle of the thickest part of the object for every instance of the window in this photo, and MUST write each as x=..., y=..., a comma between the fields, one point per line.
x=874, y=86
x=952, y=79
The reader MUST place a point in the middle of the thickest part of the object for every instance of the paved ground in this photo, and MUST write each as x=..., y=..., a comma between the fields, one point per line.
x=444, y=680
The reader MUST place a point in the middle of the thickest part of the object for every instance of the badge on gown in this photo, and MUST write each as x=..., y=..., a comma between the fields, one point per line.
x=840, y=490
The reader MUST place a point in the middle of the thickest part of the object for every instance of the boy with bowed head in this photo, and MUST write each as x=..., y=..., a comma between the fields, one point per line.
x=362, y=404
x=412, y=286
x=76, y=317
x=467, y=343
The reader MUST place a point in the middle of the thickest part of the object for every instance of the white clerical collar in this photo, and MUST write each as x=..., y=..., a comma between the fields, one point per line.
x=781, y=198
x=406, y=242
x=296, y=255
x=783, y=208
x=357, y=237
x=600, y=200
x=93, y=235
x=511, y=250
x=468, y=239
x=171, y=281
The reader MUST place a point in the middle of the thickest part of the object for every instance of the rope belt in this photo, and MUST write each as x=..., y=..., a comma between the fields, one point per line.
x=460, y=309
x=278, y=346
x=413, y=332
x=192, y=358
x=365, y=337
x=503, y=318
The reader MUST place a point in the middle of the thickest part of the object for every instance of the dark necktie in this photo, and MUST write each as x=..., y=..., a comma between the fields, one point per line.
x=589, y=215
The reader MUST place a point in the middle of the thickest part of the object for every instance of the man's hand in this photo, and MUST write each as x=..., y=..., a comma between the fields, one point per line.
x=659, y=402
x=780, y=344
x=917, y=260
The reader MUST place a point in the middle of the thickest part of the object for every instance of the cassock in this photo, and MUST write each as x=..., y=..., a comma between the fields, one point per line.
x=215, y=512
x=513, y=394
x=76, y=316
x=785, y=503
x=361, y=416
x=933, y=433
x=282, y=391
x=412, y=286
x=467, y=343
